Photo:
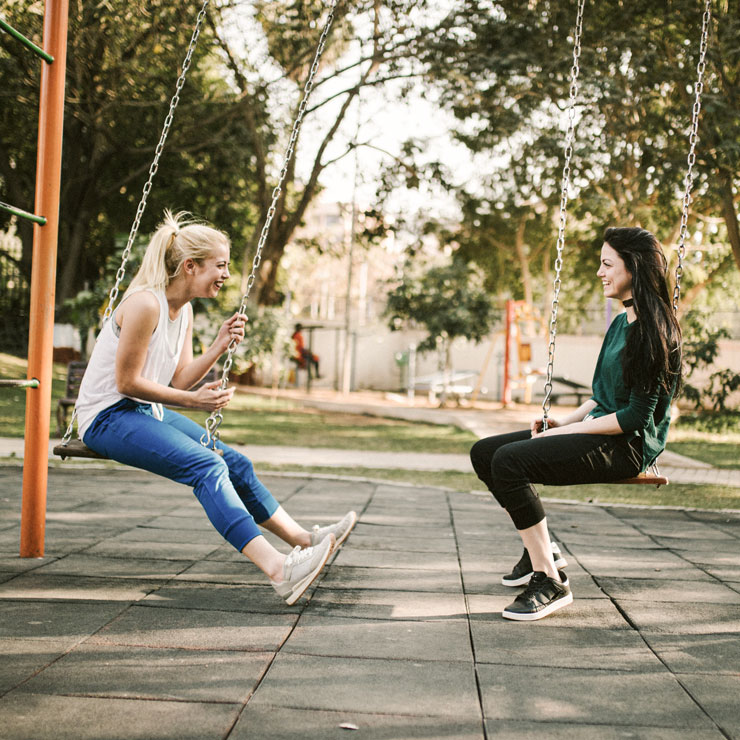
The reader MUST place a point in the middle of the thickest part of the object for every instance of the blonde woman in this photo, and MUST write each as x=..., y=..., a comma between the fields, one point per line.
x=143, y=360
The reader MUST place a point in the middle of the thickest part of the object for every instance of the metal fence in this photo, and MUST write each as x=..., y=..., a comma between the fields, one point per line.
x=15, y=294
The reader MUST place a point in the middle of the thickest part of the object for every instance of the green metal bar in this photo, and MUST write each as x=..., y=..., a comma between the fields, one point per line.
x=23, y=214
x=26, y=42
x=33, y=383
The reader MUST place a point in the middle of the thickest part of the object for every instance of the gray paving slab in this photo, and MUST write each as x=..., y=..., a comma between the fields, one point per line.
x=503, y=643
x=38, y=585
x=152, y=550
x=437, y=561
x=138, y=598
x=565, y=730
x=203, y=535
x=711, y=654
x=627, y=563
x=682, y=619
x=83, y=564
x=651, y=698
x=362, y=541
x=239, y=572
x=377, y=604
x=225, y=597
x=20, y=659
x=49, y=717
x=447, y=640
x=688, y=592
x=393, y=579
x=427, y=689
x=718, y=696
x=287, y=723
x=696, y=545
x=196, y=629
x=125, y=672
x=65, y=622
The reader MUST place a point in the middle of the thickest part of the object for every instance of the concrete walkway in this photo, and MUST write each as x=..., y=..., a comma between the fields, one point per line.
x=141, y=623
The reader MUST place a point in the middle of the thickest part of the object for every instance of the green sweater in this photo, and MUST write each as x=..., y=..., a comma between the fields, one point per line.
x=639, y=414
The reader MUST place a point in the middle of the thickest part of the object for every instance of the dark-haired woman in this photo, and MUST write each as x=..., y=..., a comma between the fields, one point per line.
x=616, y=434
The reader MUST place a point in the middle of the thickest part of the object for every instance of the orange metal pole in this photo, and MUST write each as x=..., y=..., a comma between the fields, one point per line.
x=43, y=280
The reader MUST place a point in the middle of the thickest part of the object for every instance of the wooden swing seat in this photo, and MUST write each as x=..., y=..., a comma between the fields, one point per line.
x=76, y=448
x=645, y=480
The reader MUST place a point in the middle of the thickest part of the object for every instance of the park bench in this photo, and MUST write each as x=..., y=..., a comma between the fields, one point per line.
x=75, y=371
x=458, y=384
x=575, y=389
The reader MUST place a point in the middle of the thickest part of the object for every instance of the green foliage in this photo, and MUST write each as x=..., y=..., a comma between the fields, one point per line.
x=504, y=74
x=122, y=64
x=701, y=346
x=449, y=301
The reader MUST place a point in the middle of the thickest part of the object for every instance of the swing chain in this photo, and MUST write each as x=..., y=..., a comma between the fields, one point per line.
x=700, y=68
x=148, y=186
x=155, y=163
x=564, y=187
x=213, y=422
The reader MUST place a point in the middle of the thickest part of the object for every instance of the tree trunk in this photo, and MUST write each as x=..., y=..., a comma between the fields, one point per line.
x=730, y=216
x=69, y=270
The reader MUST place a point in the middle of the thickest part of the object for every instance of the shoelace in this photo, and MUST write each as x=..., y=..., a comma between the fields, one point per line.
x=297, y=556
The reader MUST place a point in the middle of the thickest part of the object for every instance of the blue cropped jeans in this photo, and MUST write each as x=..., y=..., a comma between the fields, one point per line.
x=233, y=497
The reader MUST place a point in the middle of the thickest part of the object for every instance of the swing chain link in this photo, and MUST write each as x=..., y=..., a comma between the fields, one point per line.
x=691, y=160
x=213, y=422
x=564, y=187
x=113, y=295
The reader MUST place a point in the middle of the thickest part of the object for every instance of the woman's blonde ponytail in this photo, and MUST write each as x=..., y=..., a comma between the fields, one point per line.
x=176, y=239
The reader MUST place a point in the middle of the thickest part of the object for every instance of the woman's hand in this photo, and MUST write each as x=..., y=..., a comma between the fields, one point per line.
x=210, y=397
x=536, y=426
x=232, y=330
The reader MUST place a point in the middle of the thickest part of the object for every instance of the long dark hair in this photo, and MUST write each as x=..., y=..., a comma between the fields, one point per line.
x=652, y=353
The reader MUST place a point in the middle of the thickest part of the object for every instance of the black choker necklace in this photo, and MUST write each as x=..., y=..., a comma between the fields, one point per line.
x=629, y=302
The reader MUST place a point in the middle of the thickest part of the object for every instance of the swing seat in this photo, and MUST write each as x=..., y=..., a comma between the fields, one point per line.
x=76, y=448
x=645, y=480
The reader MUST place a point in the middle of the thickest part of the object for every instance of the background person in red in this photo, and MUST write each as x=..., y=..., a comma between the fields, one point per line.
x=302, y=356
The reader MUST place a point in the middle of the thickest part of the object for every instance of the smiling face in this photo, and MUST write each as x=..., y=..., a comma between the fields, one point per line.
x=211, y=273
x=615, y=277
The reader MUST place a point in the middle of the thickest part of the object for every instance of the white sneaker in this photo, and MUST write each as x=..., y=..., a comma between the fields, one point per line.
x=301, y=568
x=340, y=530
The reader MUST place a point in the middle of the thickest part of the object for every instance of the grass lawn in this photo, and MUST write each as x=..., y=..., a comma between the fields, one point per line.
x=264, y=421
x=13, y=400
x=711, y=438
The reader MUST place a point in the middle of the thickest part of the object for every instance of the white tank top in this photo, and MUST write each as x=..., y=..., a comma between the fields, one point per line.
x=98, y=389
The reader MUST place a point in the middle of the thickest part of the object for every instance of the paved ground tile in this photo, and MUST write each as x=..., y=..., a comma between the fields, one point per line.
x=517, y=643
x=126, y=672
x=577, y=695
x=205, y=630
x=427, y=689
x=44, y=717
x=447, y=640
x=283, y=723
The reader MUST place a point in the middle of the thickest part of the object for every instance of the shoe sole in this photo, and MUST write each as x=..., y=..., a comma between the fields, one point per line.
x=560, y=563
x=533, y=616
x=300, y=588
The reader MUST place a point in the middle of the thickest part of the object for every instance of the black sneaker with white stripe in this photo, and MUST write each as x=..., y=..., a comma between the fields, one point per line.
x=543, y=596
x=523, y=569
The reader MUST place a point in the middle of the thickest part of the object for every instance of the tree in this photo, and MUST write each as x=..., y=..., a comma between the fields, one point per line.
x=504, y=74
x=449, y=301
x=372, y=42
x=123, y=61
